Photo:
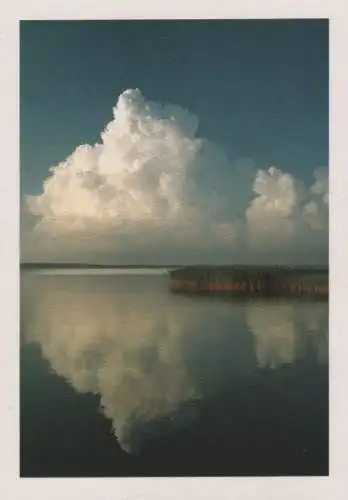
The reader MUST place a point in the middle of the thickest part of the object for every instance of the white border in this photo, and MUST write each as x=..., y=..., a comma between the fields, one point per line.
x=334, y=487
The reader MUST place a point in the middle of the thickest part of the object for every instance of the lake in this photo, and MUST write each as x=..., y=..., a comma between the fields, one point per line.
x=119, y=377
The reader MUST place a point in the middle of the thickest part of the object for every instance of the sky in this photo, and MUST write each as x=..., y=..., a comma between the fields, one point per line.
x=214, y=142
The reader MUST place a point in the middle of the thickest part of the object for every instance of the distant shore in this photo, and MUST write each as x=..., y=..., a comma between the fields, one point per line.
x=53, y=265
x=238, y=280
x=252, y=280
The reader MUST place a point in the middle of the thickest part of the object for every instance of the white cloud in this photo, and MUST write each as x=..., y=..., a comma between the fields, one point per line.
x=287, y=216
x=315, y=212
x=151, y=186
x=271, y=216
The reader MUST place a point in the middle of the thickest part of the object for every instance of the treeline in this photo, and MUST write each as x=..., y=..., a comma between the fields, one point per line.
x=252, y=280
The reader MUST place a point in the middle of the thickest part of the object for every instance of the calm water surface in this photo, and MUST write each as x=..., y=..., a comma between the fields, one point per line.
x=121, y=378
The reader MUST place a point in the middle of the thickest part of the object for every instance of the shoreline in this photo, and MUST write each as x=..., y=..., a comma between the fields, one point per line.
x=258, y=281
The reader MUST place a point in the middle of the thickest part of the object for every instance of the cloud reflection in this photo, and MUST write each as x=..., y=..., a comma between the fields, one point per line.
x=283, y=330
x=147, y=353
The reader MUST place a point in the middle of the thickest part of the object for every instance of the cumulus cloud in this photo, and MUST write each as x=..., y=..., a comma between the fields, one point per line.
x=273, y=212
x=287, y=215
x=315, y=212
x=152, y=186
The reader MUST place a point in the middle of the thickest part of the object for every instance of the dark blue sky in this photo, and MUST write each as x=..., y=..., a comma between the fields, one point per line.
x=259, y=88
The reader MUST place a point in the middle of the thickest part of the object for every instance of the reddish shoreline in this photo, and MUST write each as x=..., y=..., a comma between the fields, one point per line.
x=251, y=281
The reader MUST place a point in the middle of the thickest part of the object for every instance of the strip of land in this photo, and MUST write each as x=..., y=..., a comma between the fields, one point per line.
x=69, y=265
x=252, y=280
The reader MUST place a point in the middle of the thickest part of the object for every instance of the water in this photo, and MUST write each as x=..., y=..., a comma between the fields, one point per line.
x=121, y=378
